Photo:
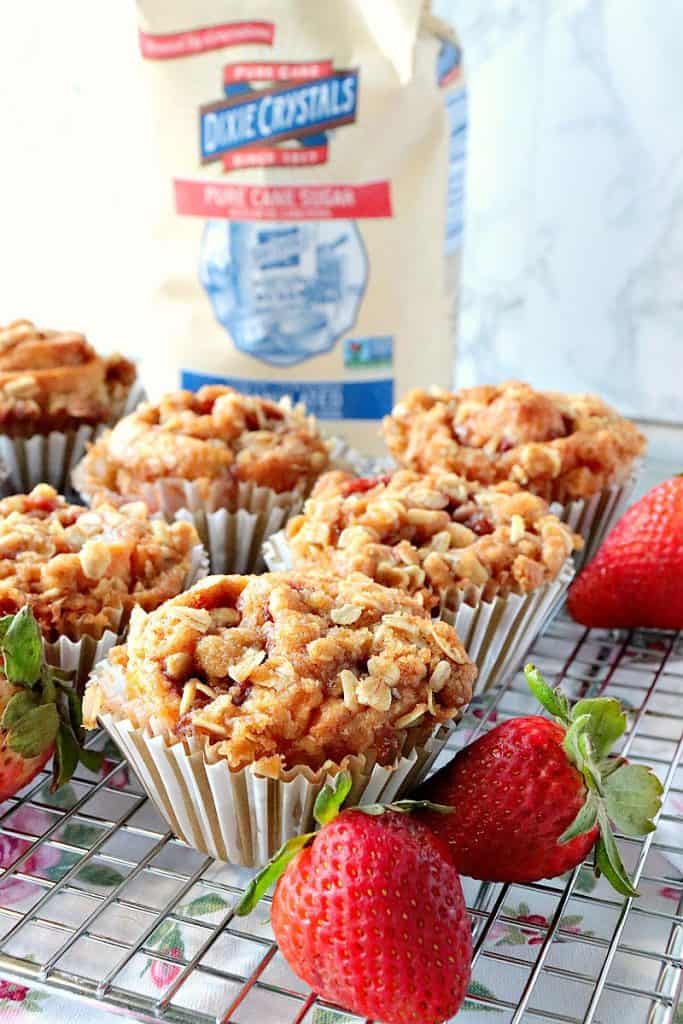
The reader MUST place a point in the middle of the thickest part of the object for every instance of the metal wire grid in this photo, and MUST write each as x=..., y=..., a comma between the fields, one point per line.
x=95, y=891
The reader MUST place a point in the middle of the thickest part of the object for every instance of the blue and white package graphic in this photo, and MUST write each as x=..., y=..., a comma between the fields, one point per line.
x=285, y=292
x=309, y=213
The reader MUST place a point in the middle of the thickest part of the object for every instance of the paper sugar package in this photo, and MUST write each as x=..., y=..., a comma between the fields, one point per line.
x=308, y=216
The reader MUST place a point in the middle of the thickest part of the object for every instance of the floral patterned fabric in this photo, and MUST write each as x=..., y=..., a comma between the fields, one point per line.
x=509, y=950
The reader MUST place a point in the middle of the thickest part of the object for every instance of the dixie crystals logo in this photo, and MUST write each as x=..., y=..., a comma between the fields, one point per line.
x=282, y=122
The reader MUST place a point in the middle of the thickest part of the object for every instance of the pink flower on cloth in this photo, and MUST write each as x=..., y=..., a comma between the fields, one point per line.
x=535, y=938
x=14, y=993
x=498, y=932
x=163, y=974
x=675, y=803
x=14, y=890
x=120, y=779
x=527, y=929
x=31, y=820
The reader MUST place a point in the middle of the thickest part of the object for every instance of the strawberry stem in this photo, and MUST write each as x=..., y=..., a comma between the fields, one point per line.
x=616, y=791
x=261, y=883
x=327, y=806
x=330, y=798
x=552, y=700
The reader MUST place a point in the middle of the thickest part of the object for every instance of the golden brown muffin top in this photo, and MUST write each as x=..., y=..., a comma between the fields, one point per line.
x=79, y=569
x=434, y=535
x=288, y=669
x=560, y=446
x=215, y=437
x=54, y=380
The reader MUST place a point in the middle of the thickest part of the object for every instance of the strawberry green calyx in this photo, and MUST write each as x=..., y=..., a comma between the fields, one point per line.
x=327, y=806
x=329, y=800
x=619, y=793
x=46, y=710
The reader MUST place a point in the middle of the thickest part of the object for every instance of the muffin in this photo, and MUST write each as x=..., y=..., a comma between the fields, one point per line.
x=571, y=449
x=215, y=453
x=82, y=571
x=435, y=535
x=259, y=688
x=54, y=382
x=456, y=546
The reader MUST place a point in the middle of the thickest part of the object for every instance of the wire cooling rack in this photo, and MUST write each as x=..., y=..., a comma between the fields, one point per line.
x=98, y=899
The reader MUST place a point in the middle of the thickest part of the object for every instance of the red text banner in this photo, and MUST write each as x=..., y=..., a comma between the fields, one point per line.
x=263, y=71
x=281, y=202
x=272, y=156
x=202, y=40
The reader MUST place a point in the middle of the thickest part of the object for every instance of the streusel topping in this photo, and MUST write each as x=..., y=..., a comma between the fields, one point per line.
x=215, y=438
x=431, y=534
x=560, y=446
x=289, y=669
x=81, y=570
x=54, y=380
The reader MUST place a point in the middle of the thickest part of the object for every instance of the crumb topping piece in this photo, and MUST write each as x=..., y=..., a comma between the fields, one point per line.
x=560, y=446
x=262, y=666
x=54, y=380
x=214, y=436
x=80, y=569
x=431, y=534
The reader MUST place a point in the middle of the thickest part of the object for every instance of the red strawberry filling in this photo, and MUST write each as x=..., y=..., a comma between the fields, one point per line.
x=365, y=483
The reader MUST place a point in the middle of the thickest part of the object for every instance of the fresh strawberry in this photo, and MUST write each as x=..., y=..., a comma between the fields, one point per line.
x=532, y=796
x=370, y=913
x=16, y=771
x=635, y=578
x=40, y=713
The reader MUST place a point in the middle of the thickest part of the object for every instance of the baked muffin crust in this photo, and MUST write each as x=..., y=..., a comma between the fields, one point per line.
x=560, y=446
x=434, y=535
x=54, y=380
x=289, y=669
x=215, y=438
x=81, y=570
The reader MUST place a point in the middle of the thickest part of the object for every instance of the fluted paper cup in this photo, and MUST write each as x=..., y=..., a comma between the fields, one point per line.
x=243, y=817
x=497, y=634
x=594, y=517
x=43, y=458
x=50, y=458
x=79, y=655
x=233, y=527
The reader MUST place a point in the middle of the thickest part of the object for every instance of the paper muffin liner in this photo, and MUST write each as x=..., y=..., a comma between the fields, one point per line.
x=497, y=634
x=240, y=816
x=594, y=517
x=50, y=458
x=78, y=655
x=234, y=540
x=171, y=495
x=232, y=527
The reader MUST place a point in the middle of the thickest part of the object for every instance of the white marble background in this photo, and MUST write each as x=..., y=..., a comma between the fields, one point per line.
x=574, y=239
x=574, y=231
